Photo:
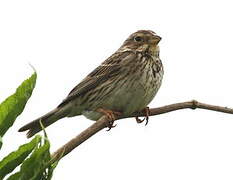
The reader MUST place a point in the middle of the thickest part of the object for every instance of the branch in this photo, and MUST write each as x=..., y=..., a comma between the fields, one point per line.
x=103, y=121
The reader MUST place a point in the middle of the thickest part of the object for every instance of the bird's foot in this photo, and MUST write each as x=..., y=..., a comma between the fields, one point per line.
x=111, y=117
x=146, y=118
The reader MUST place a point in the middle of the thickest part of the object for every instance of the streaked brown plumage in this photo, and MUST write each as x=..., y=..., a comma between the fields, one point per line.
x=126, y=82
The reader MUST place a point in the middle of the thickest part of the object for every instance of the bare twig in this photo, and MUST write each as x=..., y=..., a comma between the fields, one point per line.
x=103, y=121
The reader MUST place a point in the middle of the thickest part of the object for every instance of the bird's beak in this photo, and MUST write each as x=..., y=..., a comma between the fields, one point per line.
x=156, y=39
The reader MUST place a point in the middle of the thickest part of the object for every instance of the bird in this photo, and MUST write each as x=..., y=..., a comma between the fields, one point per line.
x=123, y=84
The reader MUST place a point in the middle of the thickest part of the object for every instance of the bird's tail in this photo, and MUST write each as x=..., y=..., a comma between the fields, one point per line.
x=46, y=120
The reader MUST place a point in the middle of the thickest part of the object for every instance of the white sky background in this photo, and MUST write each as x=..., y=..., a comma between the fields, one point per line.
x=65, y=40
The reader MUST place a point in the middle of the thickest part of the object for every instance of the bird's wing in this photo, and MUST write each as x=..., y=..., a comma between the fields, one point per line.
x=109, y=68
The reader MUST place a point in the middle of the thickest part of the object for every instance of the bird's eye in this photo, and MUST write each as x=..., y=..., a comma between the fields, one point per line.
x=138, y=39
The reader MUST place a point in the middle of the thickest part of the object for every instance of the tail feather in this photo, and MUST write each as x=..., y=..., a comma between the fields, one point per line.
x=46, y=120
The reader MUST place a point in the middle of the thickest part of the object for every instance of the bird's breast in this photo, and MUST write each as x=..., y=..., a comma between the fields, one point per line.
x=131, y=90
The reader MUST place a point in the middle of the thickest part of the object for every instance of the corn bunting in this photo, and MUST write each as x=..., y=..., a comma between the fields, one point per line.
x=124, y=83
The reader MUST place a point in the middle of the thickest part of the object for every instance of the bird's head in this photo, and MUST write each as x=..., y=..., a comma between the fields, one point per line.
x=143, y=40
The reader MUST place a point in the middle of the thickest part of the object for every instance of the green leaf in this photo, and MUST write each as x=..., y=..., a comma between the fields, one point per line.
x=37, y=166
x=0, y=142
x=15, y=176
x=11, y=161
x=14, y=104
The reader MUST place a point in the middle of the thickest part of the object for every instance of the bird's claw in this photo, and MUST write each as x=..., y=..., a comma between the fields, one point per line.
x=111, y=117
x=110, y=125
x=146, y=118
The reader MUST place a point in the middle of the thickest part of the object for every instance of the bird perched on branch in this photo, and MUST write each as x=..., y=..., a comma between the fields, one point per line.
x=124, y=83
